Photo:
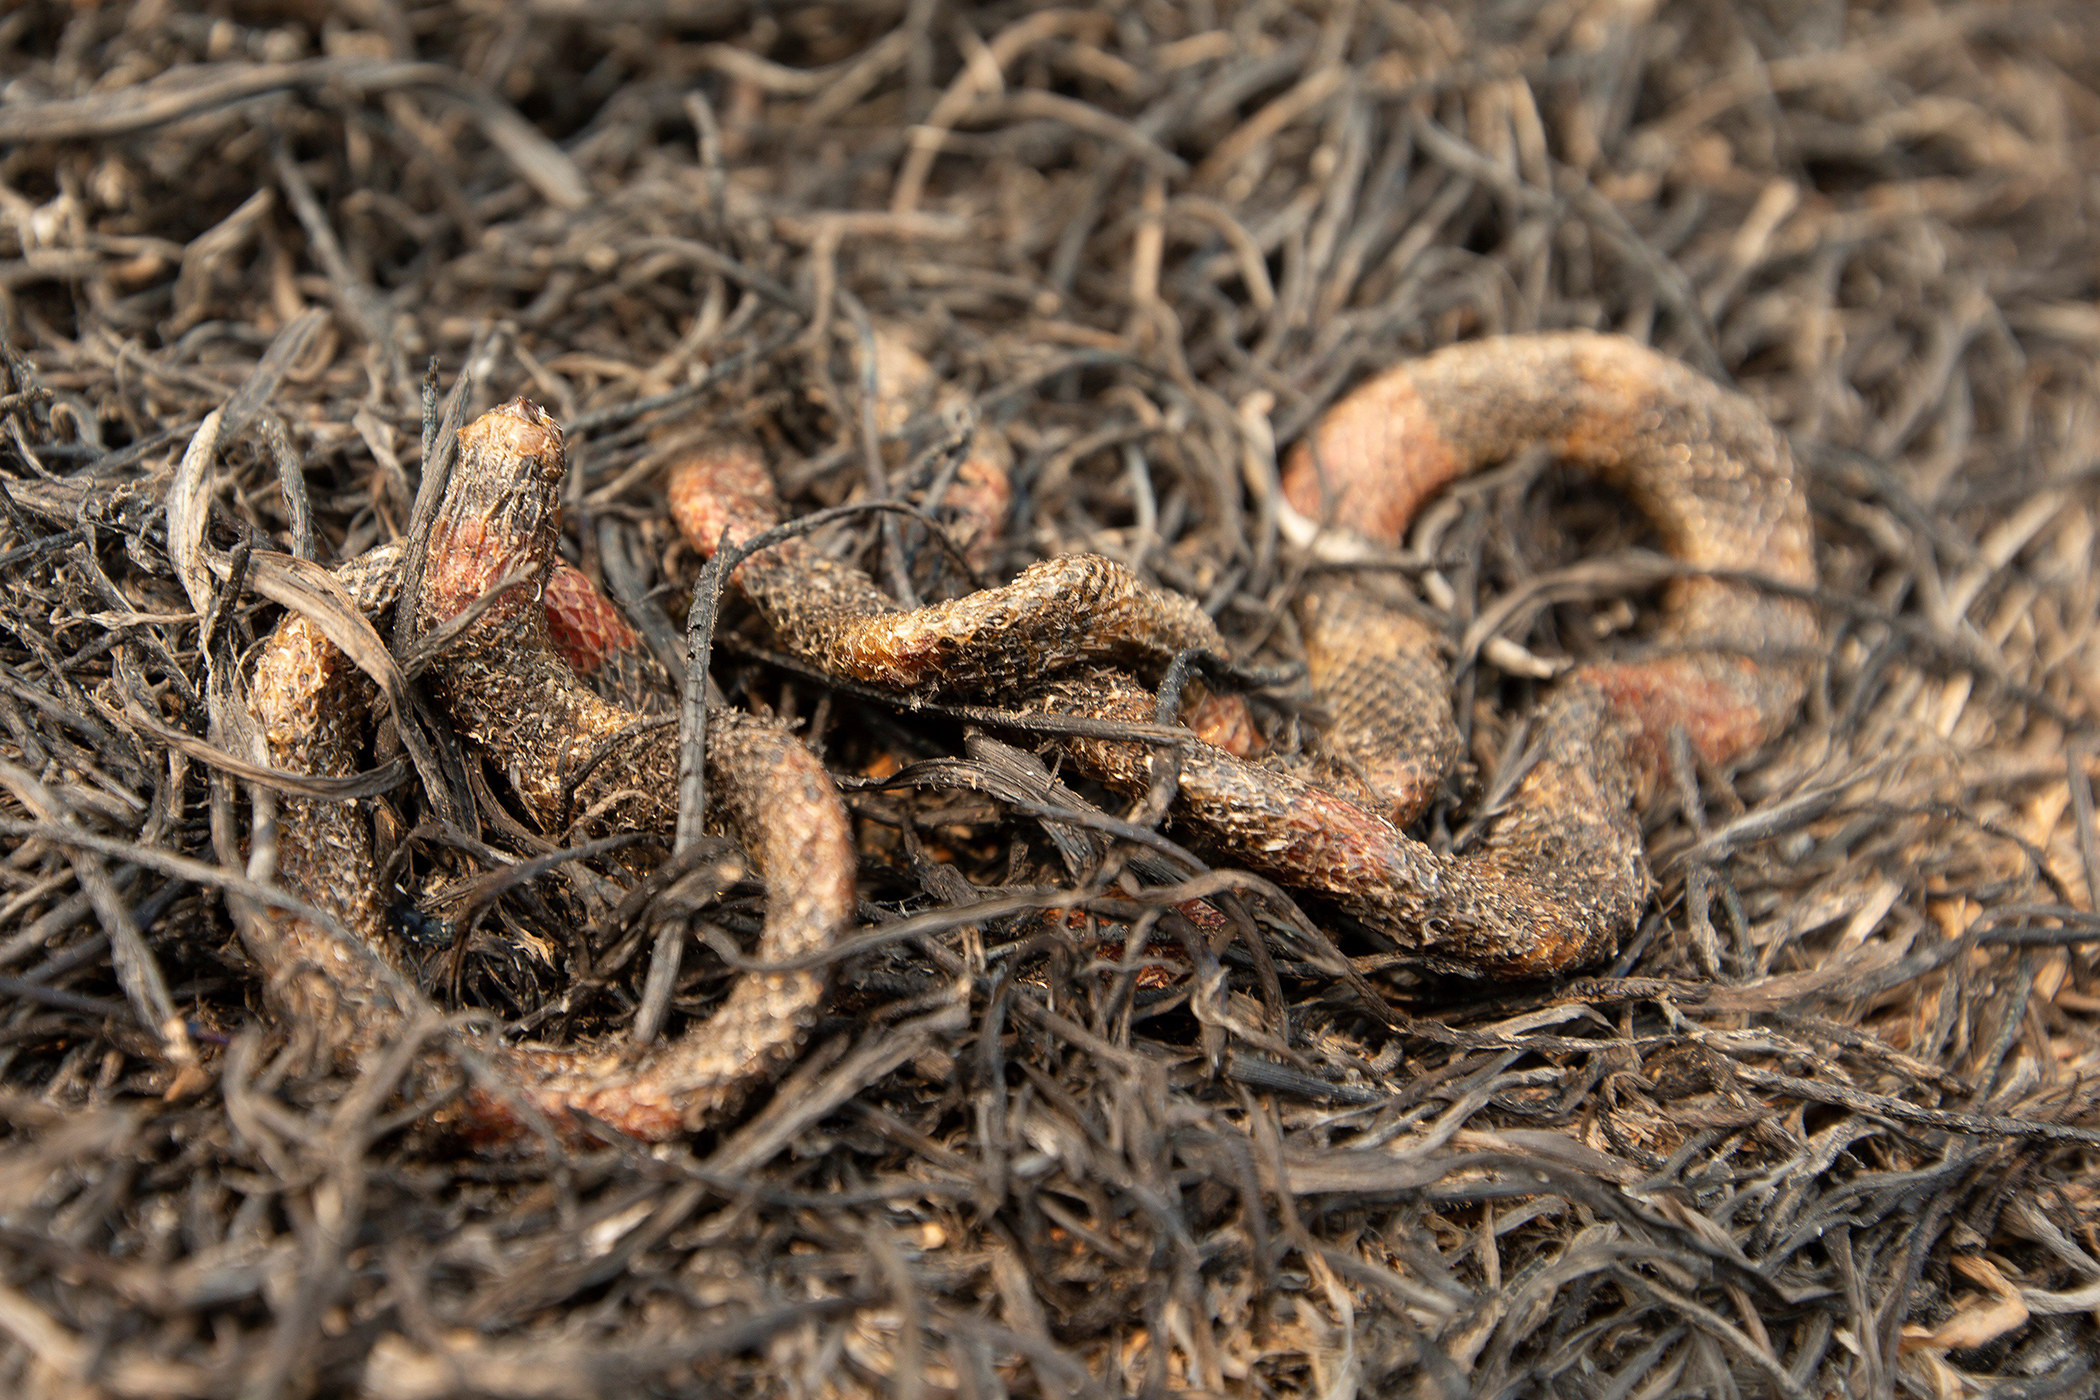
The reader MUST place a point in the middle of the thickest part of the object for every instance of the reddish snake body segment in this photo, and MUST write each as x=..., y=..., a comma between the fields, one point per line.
x=525, y=706
x=1559, y=876
x=1557, y=880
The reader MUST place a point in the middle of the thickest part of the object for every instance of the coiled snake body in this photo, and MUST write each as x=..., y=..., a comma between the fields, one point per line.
x=1556, y=881
x=525, y=706
x=1559, y=877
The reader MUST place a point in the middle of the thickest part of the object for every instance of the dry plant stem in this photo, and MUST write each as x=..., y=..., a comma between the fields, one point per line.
x=526, y=707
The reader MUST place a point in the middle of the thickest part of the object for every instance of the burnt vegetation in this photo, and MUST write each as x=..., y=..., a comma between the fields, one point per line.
x=1086, y=1115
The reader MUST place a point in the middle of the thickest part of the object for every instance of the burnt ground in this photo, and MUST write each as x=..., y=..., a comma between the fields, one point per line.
x=1828, y=1126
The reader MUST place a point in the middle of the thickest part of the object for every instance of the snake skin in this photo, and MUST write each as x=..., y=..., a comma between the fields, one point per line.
x=1558, y=878
x=1556, y=881
x=525, y=707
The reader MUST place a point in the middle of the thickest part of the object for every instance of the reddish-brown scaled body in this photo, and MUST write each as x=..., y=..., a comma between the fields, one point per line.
x=525, y=707
x=311, y=705
x=583, y=625
x=1379, y=454
x=1728, y=664
x=1558, y=877
x=724, y=495
x=1706, y=467
x=1064, y=612
x=977, y=500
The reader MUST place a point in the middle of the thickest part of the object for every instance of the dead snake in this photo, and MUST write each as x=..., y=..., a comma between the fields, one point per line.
x=1556, y=881
x=1559, y=876
x=524, y=706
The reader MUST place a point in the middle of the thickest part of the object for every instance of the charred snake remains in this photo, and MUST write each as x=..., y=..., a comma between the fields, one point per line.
x=1556, y=881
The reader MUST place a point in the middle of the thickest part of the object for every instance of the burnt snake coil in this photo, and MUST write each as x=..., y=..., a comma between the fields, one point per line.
x=1556, y=881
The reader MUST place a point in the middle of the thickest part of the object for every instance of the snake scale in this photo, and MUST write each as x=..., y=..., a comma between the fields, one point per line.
x=1556, y=881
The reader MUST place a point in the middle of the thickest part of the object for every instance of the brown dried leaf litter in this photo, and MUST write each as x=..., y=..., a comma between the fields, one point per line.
x=1828, y=1127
